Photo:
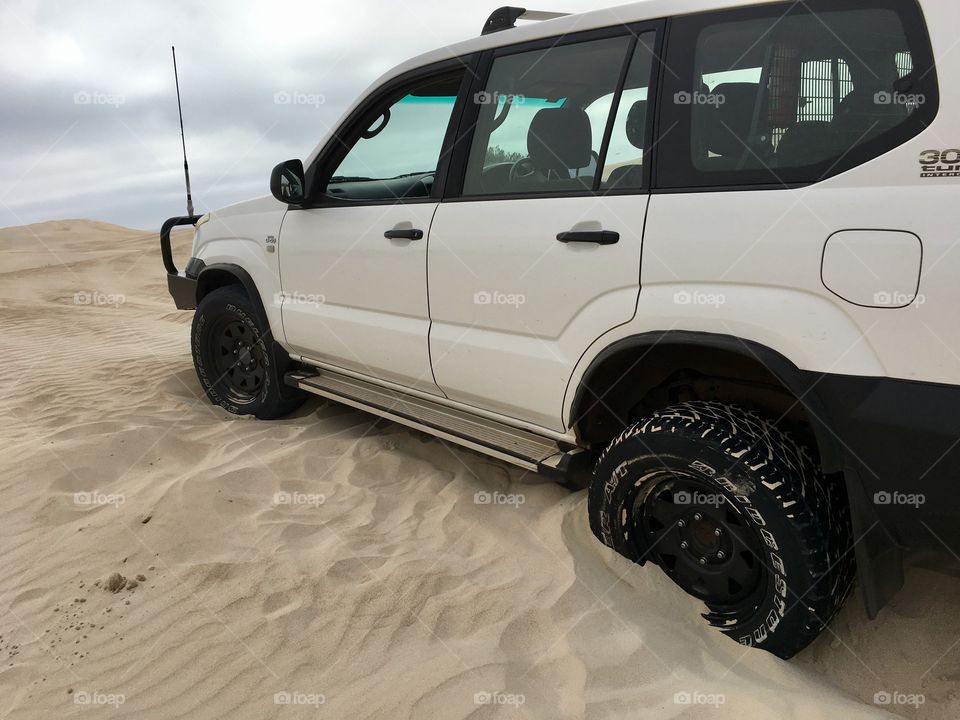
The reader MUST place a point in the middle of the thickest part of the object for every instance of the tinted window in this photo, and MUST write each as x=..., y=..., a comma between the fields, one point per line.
x=538, y=128
x=793, y=93
x=398, y=151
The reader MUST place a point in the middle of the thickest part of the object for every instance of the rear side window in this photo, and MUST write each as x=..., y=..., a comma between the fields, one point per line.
x=534, y=133
x=555, y=119
x=793, y=93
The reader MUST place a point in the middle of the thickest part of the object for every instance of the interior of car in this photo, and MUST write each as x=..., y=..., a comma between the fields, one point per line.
x=396, y=156
x=540, y=128
x=806, y=95
x=543, y=129
x=769, y=95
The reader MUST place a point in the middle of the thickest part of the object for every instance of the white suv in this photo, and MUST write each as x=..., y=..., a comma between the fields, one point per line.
x=706, y=250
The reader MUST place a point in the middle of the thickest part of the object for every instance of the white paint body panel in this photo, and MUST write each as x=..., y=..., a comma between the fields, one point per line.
x=761, y=258
x=353, y=298
x=236, y=235
x=547, y=300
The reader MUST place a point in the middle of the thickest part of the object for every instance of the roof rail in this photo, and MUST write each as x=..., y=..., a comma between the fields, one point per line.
x=506, y=17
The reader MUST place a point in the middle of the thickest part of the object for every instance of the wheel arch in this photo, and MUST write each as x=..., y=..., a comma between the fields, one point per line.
x=645, y=361
x=218, y=275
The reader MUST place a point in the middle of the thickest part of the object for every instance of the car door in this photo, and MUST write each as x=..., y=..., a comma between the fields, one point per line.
x=353, y=262
x=540, y=252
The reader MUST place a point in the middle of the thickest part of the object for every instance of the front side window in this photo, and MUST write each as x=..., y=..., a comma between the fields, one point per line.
x=397, y=153
x=794, y=93
x=544, y=114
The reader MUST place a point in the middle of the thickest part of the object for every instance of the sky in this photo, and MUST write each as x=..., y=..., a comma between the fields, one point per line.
x=88, y=107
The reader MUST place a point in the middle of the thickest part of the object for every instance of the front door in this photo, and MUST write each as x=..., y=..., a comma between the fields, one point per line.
x=353, y=266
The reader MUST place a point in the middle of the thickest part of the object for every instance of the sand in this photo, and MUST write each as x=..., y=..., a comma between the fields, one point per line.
x=330, y=565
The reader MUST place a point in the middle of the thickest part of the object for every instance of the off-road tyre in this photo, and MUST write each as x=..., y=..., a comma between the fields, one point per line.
x=771, y=500
x=234, y=359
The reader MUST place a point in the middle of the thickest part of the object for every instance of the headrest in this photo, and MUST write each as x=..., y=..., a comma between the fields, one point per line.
x=560, y=139
x=731, y=115
x=806, y=143
x=637, y=124
x=861, y=107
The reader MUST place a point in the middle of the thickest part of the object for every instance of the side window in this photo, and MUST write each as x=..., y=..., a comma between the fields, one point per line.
x=794, y=93
x=397, y=154
x=542, y=119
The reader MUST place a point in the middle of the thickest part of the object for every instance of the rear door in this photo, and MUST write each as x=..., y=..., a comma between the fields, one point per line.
x=540, y=253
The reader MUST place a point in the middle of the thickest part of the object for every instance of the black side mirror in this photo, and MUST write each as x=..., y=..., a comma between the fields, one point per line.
x=287, y=183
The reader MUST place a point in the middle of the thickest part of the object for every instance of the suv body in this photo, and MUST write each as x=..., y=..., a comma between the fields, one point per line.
x=533, y=239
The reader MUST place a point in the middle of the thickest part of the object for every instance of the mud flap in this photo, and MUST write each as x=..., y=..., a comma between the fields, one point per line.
x=879, y=557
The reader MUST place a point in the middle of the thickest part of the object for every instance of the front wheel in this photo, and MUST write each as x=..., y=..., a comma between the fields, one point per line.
x=736, y=513
x=233, y=358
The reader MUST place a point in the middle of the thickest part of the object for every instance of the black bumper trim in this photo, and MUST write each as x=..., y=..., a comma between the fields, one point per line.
x=183, y=290
x=165, y=250
x=195, y=266
x=182, y=287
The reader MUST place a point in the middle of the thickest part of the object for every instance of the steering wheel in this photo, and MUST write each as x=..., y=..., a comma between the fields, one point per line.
x=523, y=169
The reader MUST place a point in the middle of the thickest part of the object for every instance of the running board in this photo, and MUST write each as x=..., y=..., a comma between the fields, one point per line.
x=519, y=447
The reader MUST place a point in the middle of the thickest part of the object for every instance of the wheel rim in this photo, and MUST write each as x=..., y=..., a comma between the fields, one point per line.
x=238, y=359
x=700, y=540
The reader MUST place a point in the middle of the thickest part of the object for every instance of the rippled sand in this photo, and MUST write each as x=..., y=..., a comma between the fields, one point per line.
x=328, y=565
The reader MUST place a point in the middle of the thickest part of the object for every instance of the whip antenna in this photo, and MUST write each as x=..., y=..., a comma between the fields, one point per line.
x=183, y=141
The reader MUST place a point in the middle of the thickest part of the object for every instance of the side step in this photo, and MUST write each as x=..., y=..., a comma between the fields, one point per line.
x=520, y=447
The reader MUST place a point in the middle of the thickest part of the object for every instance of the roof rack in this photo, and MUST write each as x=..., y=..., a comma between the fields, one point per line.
x=506, y=17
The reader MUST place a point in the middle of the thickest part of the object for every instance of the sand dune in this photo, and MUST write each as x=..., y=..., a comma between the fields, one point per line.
x=336, y=563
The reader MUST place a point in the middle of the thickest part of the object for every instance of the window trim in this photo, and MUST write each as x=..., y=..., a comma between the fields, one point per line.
x=465, y=132
x=336, y=150
x=615, y=114
x=681, y=42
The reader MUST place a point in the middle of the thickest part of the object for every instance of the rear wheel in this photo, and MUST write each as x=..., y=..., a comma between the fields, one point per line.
x=736, y=513
x=234, y=361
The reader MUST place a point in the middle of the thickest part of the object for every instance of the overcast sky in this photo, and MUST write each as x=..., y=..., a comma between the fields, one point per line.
x=88, y=108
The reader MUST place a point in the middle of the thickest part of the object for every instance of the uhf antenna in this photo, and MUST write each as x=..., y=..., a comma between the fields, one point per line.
x=183, y=141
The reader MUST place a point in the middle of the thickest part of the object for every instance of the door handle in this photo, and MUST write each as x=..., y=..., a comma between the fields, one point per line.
x=413, y=234
x=599, y=237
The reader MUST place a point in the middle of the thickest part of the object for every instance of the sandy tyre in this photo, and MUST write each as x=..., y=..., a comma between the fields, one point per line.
x=233, y=358
x=736, y=513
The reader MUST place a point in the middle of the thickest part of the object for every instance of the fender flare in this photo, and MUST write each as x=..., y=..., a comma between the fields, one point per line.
x=801, y=384
x=201, y=269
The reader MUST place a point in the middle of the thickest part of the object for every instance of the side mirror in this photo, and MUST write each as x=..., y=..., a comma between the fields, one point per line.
x=287, y=183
